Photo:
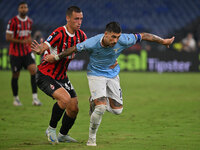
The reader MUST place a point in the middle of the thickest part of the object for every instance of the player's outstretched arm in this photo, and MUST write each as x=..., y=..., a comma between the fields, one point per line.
x=154, y=38
x=53, y=58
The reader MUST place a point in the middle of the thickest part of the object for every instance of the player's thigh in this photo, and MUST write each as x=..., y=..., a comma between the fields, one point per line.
x=97, y=86
x=72, y=101
x=47, y=84
x=29, y=63
x=114, y=90
x=16, y=64
x=62, y=96
x=32, y=69
x=53, y=89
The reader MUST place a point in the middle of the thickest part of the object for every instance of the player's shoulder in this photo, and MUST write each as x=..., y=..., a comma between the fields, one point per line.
x=59, y=29
x=98, y=36
x=30, y=19
x=127, y=38
x=95, y=40
x=81, y=31
x=13, y=19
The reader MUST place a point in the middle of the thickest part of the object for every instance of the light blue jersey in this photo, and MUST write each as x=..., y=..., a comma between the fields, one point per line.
x=101, y=58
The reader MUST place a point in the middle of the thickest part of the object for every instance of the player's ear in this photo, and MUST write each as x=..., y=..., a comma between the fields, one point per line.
x=105, y=33
x=67, y=18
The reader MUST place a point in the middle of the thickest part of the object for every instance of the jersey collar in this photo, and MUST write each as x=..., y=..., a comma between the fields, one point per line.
x=71, y=35
x=21, y=19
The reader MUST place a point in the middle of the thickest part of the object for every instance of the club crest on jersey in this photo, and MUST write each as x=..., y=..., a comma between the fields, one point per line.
x=49, y=38
x=116, y=49
x=52, y=86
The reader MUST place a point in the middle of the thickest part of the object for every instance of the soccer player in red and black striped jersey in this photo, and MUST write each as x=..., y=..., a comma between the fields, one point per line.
x=52, y=77
x=18, y=33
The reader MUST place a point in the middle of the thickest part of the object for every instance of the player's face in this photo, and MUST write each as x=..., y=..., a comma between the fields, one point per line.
x=23, y=10
x=111, y=38
x=75, y=20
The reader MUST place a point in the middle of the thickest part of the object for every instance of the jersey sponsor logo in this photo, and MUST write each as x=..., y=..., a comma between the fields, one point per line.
x=52, y=86
x=49, y=38
x=23, y=33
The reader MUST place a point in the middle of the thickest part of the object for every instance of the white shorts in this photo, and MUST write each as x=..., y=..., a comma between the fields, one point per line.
x=105, y=87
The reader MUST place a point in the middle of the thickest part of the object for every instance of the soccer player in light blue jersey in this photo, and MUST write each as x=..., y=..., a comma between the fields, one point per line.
x=103, y=70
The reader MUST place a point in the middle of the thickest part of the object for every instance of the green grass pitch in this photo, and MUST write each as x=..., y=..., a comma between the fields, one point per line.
x=161, y=112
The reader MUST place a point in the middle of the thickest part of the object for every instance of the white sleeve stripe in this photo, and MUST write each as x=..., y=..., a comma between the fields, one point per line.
x=11, y=32
x=48, y=44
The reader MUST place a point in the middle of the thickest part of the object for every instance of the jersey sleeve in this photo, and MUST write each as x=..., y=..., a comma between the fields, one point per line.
x=87, y=45
x=128, y=39
x=10, y=27
x=53, y=39
x=83, y=45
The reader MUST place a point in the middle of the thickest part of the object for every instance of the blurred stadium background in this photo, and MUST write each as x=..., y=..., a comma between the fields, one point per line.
x=165, y=18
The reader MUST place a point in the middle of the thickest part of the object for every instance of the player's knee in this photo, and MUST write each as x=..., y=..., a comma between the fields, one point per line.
x=117, y=111
x=72, y=107
x=74, y=110
x=100, y=109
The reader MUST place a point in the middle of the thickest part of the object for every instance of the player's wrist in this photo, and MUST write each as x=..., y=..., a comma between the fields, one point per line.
x=56, y=57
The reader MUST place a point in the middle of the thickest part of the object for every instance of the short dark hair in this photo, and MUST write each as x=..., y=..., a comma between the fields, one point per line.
x=71, y=9
x=113, y=27
x=21, y=3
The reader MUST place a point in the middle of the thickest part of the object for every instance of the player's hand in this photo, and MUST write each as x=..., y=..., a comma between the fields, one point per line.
x=36, y=47
x=114, y=65
x=50, y=58
x=168, y=42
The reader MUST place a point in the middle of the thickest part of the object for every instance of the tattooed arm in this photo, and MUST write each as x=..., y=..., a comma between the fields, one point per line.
x=53, y=58
x=155, y=38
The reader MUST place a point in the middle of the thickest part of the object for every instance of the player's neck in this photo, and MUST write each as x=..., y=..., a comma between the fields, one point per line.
x=70, y=30
x=22, y=16
x=103, y=44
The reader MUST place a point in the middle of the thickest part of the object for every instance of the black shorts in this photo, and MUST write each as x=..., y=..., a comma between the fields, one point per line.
x=17, y=62
x=49, y=85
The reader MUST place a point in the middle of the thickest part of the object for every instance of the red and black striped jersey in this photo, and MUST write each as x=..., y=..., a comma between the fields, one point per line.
x=59, y=40
x=20, y=29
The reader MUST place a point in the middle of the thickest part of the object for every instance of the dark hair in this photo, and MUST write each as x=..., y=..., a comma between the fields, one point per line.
x=71, y=9
x=21, y=3
x=113, y=27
